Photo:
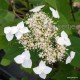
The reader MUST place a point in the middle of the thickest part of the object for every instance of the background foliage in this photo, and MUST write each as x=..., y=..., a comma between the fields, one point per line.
x=13, y=12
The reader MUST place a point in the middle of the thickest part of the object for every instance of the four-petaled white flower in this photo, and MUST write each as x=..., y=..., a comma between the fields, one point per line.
x=63, y=40
x=24, y=59
x=70, y=58
x=37, y=9
x=54, y=13
x=42, y=70
x=18, y=30
x=21, y=29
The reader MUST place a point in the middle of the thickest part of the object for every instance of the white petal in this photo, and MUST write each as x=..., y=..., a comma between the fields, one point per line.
x=37, y=70
x=7, y=30
x=27, y=63
x=68, y=60
x=42, y=65
x=18, y=35
x=14, y=30
x=67, y=41
x=24, y=30
x=47, y=70
x=26, y=54
x=64, y=34
x=72, y=54
x=57, y=14
x=60, y=41
x=54, y=13
x=19, y=59
x=9, y=36
x=20, y=25
x=42, y=75
x=37, y=9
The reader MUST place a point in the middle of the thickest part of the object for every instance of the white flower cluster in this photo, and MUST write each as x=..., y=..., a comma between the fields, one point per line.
x=41, y=34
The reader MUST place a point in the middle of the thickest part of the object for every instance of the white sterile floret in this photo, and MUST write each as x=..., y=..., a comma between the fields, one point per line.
x=24, y=59
x=54, y=13
x=63, y=40
x=70, y=57
x=21, y=29
x=18, y=30
x=42, y=70
x=14, y=29
x=9, y=34
x=37, y=9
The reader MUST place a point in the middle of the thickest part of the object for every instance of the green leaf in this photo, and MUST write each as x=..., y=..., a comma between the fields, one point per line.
x=52, y=3
x=63, y=72
x=5, y=62
x=3, y=42
x=7, y=18
x=3, y=4
x=64, y=9
x=12, y=48
x=34, y=56
x=37, y=2
x=3, y=9
x=75, y=40
x=2, y=13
